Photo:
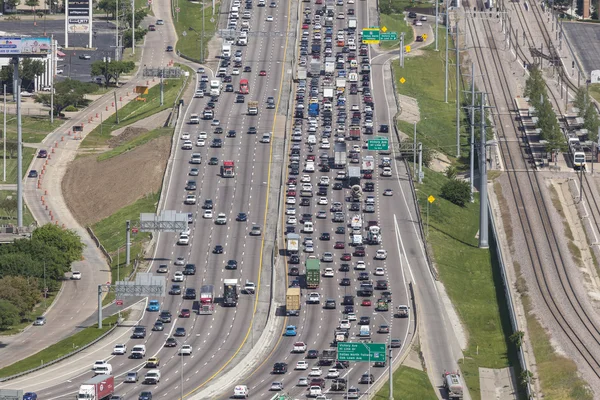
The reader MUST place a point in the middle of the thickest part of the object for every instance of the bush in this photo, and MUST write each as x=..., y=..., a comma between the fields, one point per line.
x=9, y=314
x=457, y=192
x=70, y=109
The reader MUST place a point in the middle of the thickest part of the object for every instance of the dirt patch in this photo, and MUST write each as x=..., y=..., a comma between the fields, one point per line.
x=95, y=190
x=129, y=133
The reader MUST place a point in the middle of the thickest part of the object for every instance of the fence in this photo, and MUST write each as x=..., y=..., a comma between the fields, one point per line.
x=28, y=111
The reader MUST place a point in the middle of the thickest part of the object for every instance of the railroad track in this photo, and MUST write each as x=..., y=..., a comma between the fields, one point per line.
x=552, y=279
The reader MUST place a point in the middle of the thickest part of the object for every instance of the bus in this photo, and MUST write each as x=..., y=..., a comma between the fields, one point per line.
x=244, y=86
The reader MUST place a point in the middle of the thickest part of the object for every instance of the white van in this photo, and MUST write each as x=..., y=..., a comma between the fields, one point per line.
x=308, y=227
x=365, y=331
x=139, y=349
x=241, y=392
x=194, y=119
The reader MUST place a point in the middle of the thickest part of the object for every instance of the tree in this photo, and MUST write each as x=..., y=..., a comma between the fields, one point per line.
x=20, y=292
x=580, y=101
x=111, y=70
x=9, y=206
x=11, y=3
x=591, y=121
x=66, y=93
x=139, y=35
x=457, y=192
x=535, y=87
x=11, y=148
x=29, y=68
x=64, y=240
x=32, y=3
x=9, y=315
x=108, y=6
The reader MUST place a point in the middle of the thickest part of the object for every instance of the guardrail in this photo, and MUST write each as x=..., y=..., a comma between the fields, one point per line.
x=99, y=245
x=8, y=378
x=509, y=299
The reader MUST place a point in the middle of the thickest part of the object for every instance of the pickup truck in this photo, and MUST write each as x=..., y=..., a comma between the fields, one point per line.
x=299, y=347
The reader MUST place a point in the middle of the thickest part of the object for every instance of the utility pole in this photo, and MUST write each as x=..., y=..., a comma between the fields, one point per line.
x=116, y=108
x=202, y=37
x=128, y=247
x=447, y=62
x=457, y=92
x=436, y=24
x=415, y=148
x=4, y=132
x=117, y=32
x=17, y=90
x=133, y=26
x=483, y=209
x=391, y=367
x=472, y=143
x=420, y=177
x=162, y=72
x=402, y=50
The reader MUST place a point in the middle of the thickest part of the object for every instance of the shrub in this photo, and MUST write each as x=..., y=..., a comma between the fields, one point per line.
x=70, y=109
x=457, y=192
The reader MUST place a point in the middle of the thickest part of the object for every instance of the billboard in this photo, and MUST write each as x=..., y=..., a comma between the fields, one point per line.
x=78, y=8
x=78, y=16
x=25, y=46
x=78, y=25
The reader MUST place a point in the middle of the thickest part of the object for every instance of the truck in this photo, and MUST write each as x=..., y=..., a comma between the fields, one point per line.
x=365, y=289
x=228, y=169
x=230, y=292
x=374, y=235
x=293, y=243
x=353, y=176
x=340, y=83
x=453, y=384
x=356, y=192
x=356, y=223
x=329, y=66
x=356, y=239
x=97, y=388
x=339, y=154
x=315, y=67
x=253, y=107
x=354, y=132
x=292, y=301
x=328, y=92
x=313, y=110
x=301, y=75
x=382, y=305
x=215, y=87
x=226, y=50
x=368, y=164
x=207, y=299
x=328, y=357
x=340, y=335
x=352, y=23
x=313, y=273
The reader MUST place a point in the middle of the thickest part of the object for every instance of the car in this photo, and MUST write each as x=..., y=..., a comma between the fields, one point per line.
x=314, y=298
x=255, y=231
x=314, y=391
x=269, y=19
x=185, y=350
x=76, y=275
x=321, y=214
x=388, y=192
x=231, y=264
x=175, y=290
x=171, y=342
x=339, y=245
x=213, y=161
x=190, y=269
x=98, y=364
x=184, y=313
x=340, y=230
x=132, y=377
x=120, y=349
x=423, y=18
x=235, y=71
x=190, y=199
x=153, y=305
x=299, y=347
x=294, y=259
x=218, y=249
x=366, y=303
x=279, y=368
x=366, y=378
x=353, y=393
x=346, y=257
x=169, y=48
x=39, y=321
x=85, y=57
x=276, y=386
x=247, y=68
x=153, y=362
x=262, y=73
x=381, y=254
x=327, y=257
x=359, y=251
x=345, y=282
x=351, y=316
x=332, y=373
x=364, y=321
x=363, y=276
x=178, y=261
x=379, y=271
x=145, y=395
x=165, y=316
x=221, y=219
x=290, y=330
x=180, y=331
x=395, y=343
x=311, y=354
x=29, y=395
x=322, y=201
x=302, y=381
x=416, y=22
x=178, y=276
x=32, y=174
x=43, y=153
x=328, y=272
x=315, y=371
x=241, y=217
x=301, y=365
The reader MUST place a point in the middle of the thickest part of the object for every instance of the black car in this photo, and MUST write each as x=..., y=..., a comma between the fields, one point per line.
x=240, y=98
x=305, y=202
x=217, y=143
x=345, y=282
x=175, y=289
x=218, y=249
x=322, y=191
x=229, y=88
x=231, y=264
x=165, y=317
x=139, y=332
x=280, y=368
x=340, y=230
x=348, y=300
x=231, y=133
x=363, y=276
x=330, y=304
x=191, y=185
x=364, y=321
x=345, y=267
x=381, y=285
x=218, y=130
x=384, y=128
x=213, y=161
x=189, y=269
x=412, y=14
x=294, y=271
x=247, y=68
x=294, y=259
x=306, y=217
x=208, y=204
x=171, y=342
x=325, y=168
x=348, y=309
x=227, y=79
x=295, y=283
x=312, y=354
x=241, y=217
x=355, y=207
x=290, y=229
x=190, y=294
x=325, y=236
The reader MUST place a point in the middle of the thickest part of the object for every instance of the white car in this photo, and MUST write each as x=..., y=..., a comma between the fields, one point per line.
x=185, y=350
x=190, y=199
x=99, y=364
x=324, y=181
x=178, y=277
x=201, y=143
x=328, y=273
x=381, y=254
x=120, y=349
x=299, y=347
x=187, y=145
x=344, y=324
x=360, y=266
x=309, y=249
x=76, y=275
x=202, y=135
x=302, y=381
x=314, y=298
x=290, y=200
x=269, y=18
x=215, y=122
x=314, y=391
x=387, y=171
x=183, y=240
x=305, y=178
x=315, y=371
x=185, y=136
x=290, y=211
x=333, y=373
x=418, y=23
x=207, y=214
x=351, y=316
x=379, y=271
x=292, y=220
x=325, y=144
x=301, y=365
x=341, y=16
x=235, y=71
x=323, y=201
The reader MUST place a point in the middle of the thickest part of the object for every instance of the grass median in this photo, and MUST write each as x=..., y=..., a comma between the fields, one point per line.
x=8, y=214
x=60, y=349
x=409, y=384
x=11, y=164
x=190, y=15
x=34, y=129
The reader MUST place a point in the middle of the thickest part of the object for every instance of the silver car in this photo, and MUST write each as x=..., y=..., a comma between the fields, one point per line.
x=327, y=257
x=132, y=377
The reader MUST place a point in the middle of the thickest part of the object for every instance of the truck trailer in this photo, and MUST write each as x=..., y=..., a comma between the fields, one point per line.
x=253, y=107
x=230, y=292
x=313, y=273
x=97, y=388
x=339, y=154
x=207, y=299
x=292, y=301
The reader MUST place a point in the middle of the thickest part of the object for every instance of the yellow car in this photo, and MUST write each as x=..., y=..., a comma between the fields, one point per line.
x=153, y=362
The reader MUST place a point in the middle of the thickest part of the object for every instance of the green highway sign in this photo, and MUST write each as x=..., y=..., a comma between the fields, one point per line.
x=361, y=352
x=371, y=35
x=388, y=36
x=379, y=143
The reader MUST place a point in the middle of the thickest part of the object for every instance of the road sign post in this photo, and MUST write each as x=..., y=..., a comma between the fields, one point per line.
x=361, y=352
x=379, y=143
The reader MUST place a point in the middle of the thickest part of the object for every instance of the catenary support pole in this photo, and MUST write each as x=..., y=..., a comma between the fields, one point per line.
x=420, y=177
x=447, y=61
x=472, y=142
x=17, y=90
x=133, y=26
x=435, y=34
x=128, y=244
x=483, y=211
x=415, y=148
x=52, y=64
x=456, y=42
x=4, y=133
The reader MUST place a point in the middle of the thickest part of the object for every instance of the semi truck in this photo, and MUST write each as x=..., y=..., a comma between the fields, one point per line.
x=354, y=132
x=313, y=273
x=97, y=388
x=253, y=107
x=352, y=23
x=292, y=301
x=339, y=154
x=353, y=176
x=230, y=292
x=228, y=169
x=453, y=384
x=328, y=92
x=215, y=87
x=315, y=67
x=207, y=298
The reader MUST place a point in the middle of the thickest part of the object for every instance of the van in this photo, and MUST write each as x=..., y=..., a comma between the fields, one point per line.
x=194, y=119
x=308, y=227
x=242, y=42
x=365, y=331
x=138, y=351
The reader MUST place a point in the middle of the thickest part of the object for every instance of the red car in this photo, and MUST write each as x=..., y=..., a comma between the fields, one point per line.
x=185, y=313
x=346, y=257
x=263, y=72
x=339, y=245
x=291, y=193
x=367, y=175
x=292, y=181
x=310, y=157
x=368, y=99
x=366, y=303
x=304, y=26
x=359, y=252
